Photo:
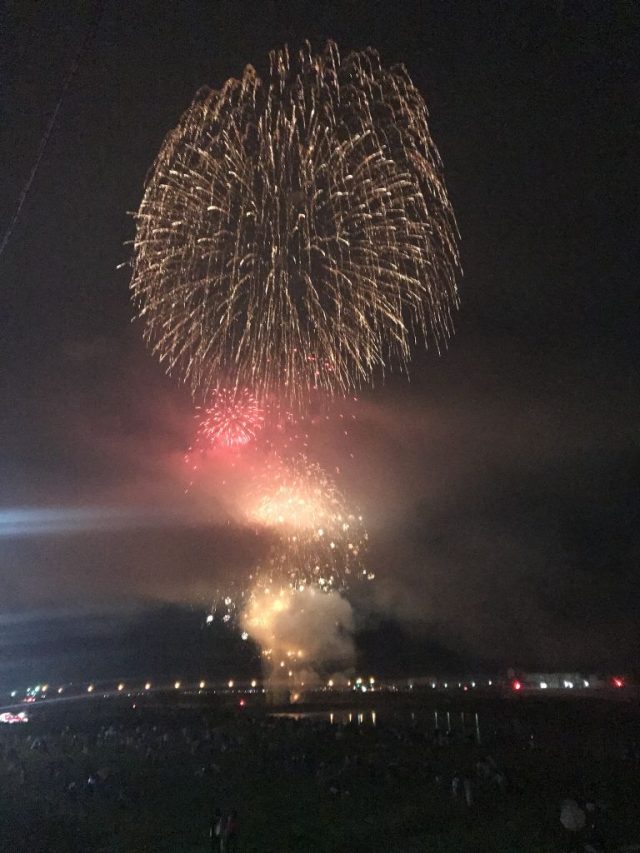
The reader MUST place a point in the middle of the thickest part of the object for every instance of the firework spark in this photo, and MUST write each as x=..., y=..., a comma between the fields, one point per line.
x=234, y=419
x=294, y=495
x=320, y=540
x=313, y=538
x=296, y=233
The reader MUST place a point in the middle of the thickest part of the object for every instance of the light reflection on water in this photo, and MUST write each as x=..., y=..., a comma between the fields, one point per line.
x=463, y=724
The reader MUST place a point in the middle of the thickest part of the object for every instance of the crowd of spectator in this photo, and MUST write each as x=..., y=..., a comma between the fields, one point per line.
x=207, y=768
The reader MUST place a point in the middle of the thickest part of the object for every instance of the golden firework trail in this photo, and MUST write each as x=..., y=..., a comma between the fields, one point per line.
x=295, y=232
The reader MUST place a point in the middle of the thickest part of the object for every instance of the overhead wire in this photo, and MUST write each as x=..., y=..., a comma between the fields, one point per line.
x=73, y=70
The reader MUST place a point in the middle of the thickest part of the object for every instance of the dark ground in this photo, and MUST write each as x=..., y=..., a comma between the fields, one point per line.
x=306, y=785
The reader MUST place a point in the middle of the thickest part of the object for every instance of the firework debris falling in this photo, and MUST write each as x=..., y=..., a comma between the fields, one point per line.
x=316, y=539
x=294, y=240
x=296, y=233
x=323, y=540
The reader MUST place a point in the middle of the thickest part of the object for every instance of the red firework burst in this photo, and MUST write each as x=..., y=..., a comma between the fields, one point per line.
x=234, y=419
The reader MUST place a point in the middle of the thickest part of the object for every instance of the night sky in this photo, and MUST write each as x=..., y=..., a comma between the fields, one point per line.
x=500, y=484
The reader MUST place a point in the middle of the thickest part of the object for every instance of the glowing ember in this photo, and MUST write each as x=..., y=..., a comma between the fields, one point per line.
x=321, y=541
x=233, y=420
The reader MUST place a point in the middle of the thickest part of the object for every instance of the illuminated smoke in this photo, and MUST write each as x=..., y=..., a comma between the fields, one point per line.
x=303, y=634
x=295, y=608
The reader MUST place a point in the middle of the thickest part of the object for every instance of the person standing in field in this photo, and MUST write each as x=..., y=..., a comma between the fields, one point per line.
x=215, y=832
x=230, y=834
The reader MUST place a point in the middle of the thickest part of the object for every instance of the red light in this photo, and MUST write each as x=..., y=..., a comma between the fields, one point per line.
x=234, y=419
x=516, y=685
x=242, y=703
x=618, y=682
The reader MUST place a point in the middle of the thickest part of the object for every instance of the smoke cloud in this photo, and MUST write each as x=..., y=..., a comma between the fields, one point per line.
x=304, y=635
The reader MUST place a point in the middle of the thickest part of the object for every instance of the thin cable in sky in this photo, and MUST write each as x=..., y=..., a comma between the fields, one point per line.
x=93, y=25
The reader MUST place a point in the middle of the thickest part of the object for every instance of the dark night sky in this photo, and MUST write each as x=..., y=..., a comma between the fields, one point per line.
x=501, y=484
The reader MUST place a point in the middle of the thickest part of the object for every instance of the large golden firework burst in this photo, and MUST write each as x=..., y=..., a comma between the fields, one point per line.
x=295, y=232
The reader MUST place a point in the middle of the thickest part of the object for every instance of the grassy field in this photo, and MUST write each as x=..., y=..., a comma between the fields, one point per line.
x=292, y=787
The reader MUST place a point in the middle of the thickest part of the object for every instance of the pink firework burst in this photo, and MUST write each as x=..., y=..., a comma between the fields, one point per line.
x=233, y=420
